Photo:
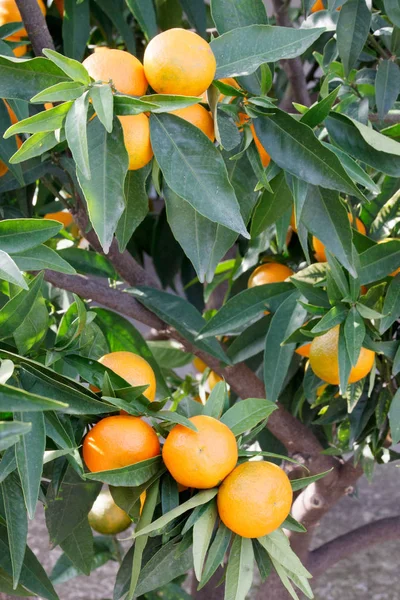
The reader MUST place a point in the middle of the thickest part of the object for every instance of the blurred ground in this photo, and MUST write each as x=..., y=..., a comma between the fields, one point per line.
x=371, y=575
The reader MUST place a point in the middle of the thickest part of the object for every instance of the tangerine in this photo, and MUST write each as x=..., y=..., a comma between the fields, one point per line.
x=213, y=379
x=9, y=13
x=324, y=359
x=133, y=368
x=319, y=247
x=119, y=441
x=178, y=61
x=106, y=517
x=200, y=459
x=199, y=117
x=255, y=499
x=317, y=6
x=136, y=130
x=124, y=69
x=304, y=350
x=269, y=273
x=199, y=364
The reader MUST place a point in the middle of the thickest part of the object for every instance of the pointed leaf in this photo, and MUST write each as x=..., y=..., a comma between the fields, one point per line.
x=239, y=572
x=42, y=257
x=354, y=332
x=10, y=272
x=25, y=78
x=74, y=69
x=246, y=414
x=352, y=32
x=16, y=309
x=387, y=86
x=29, y=453
x=75, y=33
x=137, y=205
x=17, y=235
x=103, y=104
x=202, y=533
x=17, y=523
x=130, y=476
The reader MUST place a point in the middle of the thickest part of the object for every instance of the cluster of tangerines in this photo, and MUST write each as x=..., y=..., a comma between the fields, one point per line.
x=254, y=498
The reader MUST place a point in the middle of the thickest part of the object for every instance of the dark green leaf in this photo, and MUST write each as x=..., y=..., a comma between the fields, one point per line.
x=262, y=559
x=352, y=32
x=393, y=11
x=75, y=29
x=16, y=309
x=240, y=568
x=354, y=333
x=144, y=13
x=394, y=417
x=344, y=361
x=17, y=523
x=379, y=261
x=15, y=399
x=86, y=262
x=78, y=546
x=17, y=235
x=271, y=206
x=42, y=257
x=196, y=13
x=29, y=453
x=216, y=401
x=137, y=205
x=127, y=105
x=250, y=342
x=229, y=14
x=387, y=86
x=76, y=134
x=246, y=414
x=292, y=525
x=235, y=56
x=166, y=564
x=391, y=306
x=130, y=476
x=24, y=79
x=335, y=316
x=353, y=169
x=216, y=553
x=319, y=111
x=169, y=494
x=71, y=67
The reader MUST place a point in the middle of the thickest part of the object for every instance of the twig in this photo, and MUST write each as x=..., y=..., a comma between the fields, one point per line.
x=35, y=25
x=384, y=53
x=354, y=541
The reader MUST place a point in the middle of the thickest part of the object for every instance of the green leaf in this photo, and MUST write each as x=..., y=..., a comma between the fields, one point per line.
x=6, y=586
x=144, y=13
x=76, y=134
x=180, y=314
x=216, y=553
x=24, y=79
x=168, y=102
x=235, y=56
x=354, y=333
x=299, y=484
x=103, y=104
x=78, y=546
x=42, y=257
x=271, y=206
x=294, y=147
x=127, y=105
x=246, y=414
x=292, y=525
x=278, y=547
x=277, y=357
x=202, y=533
x=16, y=309
x=247, y=307
x=173, y=141
x=216, y=401
x=8, y=464
x=169, y=494
x=377, y=262
x=239, y=571
x=228, y=15
x=31, y=332
x=122, y=335
x=262, y=559
x=15, y=399
x=104, y=191
x=391, y=305
x=8, y=147
x=352, y=32
x=74, y=69
x=393, y=11
x=68, y=503
x=335, y=316
x=29, y=453
x=164, y=566
x=36, y=145
x=116, y=13
x=387, y=86
x=17, y=235
x=13, y=428
x=394, y=417
x=33, y=576
x=320, y=110
x=353, y=169
x=47, y=120
x=195, y=11
x=10, y=272
x=364, y=143
x=75, y=33
x=137, y=205
x=17, y=523
x=87, y=262
x=169, y=354
x=130, y=476
x=197, y=500
x=60, y=92
x=344, y=361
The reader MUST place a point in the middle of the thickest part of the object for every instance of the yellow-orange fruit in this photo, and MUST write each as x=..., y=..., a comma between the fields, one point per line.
x=9, y=13
x=269, y=273
x=319, y=247
x=200, y=117
x=124, y=69
x=133, y=368
x=136, y=130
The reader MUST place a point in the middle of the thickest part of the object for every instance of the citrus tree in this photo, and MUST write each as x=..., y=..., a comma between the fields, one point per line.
x=188, y=182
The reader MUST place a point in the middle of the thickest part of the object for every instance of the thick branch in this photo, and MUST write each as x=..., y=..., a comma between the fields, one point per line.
x=35, y=25
x=389, y=119
x=357, y=540
x=293, y=68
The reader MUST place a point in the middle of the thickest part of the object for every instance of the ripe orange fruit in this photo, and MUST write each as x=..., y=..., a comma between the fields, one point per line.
x=304, y=350
x=119, y=441
x=269, y=273
x=200, y=459
x=106, y=517
x=136, y=130
x=133, y=368
x=228, y=81
x=60, y=6
x=255, y=499
x=199, y=364
x=317, y=6
x=61, y=216
x=325, y=363
x=9, y=13
x=178, y=61
x=264, y=156
x=213, y=379
x=124, y=69
x=319, y=247
x=198, y=116
x=394, y=273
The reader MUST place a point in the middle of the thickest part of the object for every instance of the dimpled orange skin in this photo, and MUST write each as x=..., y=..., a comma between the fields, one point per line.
x=319, y=247
x=136, y=130
x=124, y=69
x=133, y=368
x=119, y=441
x=198, y=116
x=9, y=13
x=255, y=499
x=200, y=459
x=325, y=363
x=304, y=350
x=178, y=61
x=269, y=273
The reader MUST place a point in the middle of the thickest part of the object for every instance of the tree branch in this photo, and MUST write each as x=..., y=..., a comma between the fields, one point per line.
x=35, y=25
x=357, y=540
x=293, y=68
